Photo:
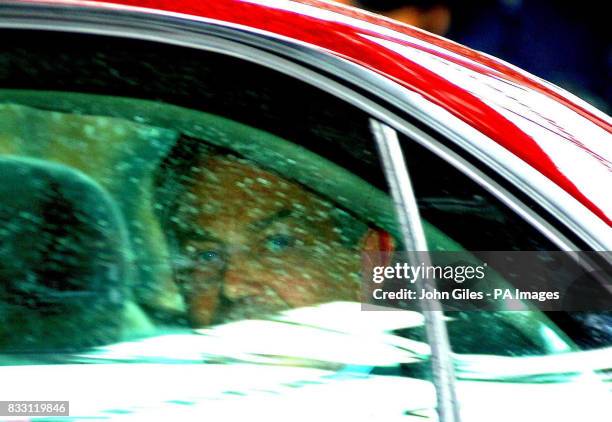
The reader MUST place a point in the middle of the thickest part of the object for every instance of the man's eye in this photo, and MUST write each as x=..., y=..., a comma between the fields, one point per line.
x=210, y=257
x=279, y=242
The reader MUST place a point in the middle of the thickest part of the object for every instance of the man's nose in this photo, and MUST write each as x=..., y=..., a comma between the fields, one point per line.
x=241, y=278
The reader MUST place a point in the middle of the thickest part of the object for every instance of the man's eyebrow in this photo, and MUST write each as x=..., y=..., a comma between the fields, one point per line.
x=199, y=235
x=267, y=221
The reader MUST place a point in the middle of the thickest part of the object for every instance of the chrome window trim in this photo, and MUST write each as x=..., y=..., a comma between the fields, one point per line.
x=265, y=49
x=413, y=235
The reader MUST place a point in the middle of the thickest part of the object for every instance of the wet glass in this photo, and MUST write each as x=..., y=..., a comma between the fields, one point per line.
x=161, y=205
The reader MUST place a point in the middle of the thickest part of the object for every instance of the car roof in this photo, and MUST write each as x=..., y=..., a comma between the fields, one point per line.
x=556, y=133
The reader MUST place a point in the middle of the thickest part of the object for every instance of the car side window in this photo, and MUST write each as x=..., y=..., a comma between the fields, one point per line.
x=172, y=189
x=465, y=210
x=199, y=189
x=481, y=223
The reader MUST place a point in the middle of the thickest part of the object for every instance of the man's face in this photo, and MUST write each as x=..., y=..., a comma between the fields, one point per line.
x=258, y=244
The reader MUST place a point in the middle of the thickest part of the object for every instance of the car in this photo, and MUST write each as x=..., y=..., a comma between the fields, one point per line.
x=196, y=197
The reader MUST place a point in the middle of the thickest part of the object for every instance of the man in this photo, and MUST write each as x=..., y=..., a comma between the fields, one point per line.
x=249, y=243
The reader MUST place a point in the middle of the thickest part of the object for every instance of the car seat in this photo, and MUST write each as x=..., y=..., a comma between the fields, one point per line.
x=64, y=259
x=121, y=157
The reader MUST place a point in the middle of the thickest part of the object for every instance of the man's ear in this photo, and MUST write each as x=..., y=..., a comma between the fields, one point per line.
x=377, y=240
x=376, y=246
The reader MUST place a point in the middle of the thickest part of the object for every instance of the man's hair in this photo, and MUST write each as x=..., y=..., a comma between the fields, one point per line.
x=175, y=177
x=179, y=171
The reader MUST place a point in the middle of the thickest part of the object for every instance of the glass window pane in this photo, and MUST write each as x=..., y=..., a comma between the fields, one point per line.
x=164, y=205
x=230, y=191
x=480, y=223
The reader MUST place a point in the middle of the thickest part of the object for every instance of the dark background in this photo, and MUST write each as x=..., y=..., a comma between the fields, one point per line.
x=564, y=42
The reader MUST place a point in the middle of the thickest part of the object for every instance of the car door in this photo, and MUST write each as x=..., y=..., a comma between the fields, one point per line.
x=212, y=183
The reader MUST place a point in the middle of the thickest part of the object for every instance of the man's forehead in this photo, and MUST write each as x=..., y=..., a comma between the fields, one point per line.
x=225, y=180
x=247, y=175
x=229, y=194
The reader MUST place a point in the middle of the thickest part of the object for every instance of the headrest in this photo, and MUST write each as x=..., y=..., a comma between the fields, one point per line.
x=121, y=156
x=63, y=258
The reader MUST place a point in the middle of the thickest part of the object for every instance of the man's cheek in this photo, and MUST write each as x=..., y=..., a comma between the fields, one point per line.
x=311, y=275
x=309, y=286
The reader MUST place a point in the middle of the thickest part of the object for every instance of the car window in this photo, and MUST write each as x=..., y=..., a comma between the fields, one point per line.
x=482, y=224
x=165, y=191
x=197, y=189
x=164, y=206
